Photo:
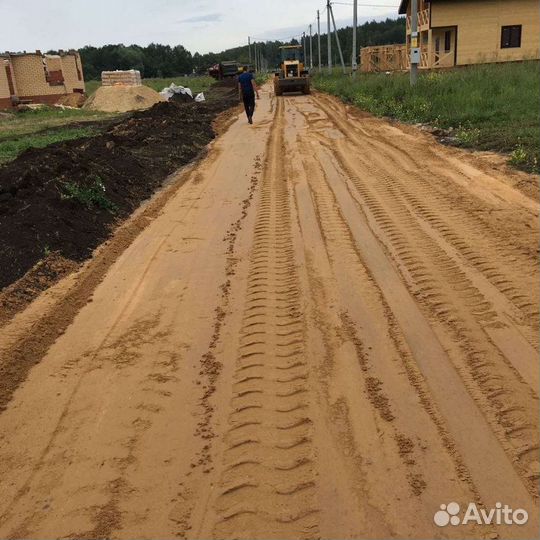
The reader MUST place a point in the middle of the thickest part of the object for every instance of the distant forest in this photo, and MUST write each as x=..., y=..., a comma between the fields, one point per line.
x=165, y=61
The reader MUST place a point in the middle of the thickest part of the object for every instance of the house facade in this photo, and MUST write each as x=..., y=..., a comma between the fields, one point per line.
x=39, y=78
x=463, y=32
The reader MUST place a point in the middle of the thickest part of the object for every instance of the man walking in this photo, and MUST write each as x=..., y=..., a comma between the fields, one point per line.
x=247, y=89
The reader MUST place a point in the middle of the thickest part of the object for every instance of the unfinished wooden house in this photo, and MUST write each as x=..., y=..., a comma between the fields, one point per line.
x=462, y=32
x=39, y=78
x=384, y=58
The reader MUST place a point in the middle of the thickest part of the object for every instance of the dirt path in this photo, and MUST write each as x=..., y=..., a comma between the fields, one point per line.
x=327, y=332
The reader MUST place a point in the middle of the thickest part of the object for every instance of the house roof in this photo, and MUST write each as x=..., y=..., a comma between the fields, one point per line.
x=9, y=54
x=404, y=4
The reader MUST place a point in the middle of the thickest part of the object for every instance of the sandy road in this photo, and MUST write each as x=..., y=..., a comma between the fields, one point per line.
x=328, y=331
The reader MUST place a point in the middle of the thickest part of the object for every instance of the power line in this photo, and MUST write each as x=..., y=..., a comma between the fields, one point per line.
x=264, y=40
x=365, y=5
x=302, y=38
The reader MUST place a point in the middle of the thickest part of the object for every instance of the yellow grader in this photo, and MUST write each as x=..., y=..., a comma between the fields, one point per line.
x=292, y=75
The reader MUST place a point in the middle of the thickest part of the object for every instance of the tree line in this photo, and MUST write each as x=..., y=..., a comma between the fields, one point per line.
x=157, y=60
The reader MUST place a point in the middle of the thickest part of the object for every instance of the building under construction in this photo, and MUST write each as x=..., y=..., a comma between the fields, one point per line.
x=458, y=33
x=39, y=78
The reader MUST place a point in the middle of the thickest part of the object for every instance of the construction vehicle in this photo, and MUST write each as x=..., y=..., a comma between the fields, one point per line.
x=292, y=76
x=225, y=70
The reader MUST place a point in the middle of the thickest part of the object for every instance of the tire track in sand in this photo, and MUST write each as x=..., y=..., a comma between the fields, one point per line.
x=267, y=486
x=502, y=253
x=485, y=458
x=460, y=301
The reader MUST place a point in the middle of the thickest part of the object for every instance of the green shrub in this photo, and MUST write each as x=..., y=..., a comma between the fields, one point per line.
x=89, y=196
x=467, y=136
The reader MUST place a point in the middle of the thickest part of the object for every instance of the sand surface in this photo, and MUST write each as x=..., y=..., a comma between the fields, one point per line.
x=327, y=330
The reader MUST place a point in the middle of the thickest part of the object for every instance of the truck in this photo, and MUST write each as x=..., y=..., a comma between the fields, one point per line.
x=225, y=70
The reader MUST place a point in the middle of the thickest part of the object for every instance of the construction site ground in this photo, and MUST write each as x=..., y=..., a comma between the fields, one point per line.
x=327, y=328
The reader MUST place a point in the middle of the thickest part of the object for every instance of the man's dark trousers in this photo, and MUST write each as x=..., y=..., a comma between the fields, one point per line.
x=249, y=103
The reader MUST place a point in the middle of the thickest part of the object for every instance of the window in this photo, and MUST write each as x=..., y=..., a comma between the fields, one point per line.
x=448, y=41
x=54, y=78
x=511, y=36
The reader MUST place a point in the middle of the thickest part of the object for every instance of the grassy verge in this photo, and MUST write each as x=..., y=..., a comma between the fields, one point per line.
x=197, y=84
x=41, y=127
x=10, y=149
x=261, y=78
x=487, y=107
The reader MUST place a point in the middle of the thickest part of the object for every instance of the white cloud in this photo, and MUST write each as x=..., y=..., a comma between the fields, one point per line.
x=199, y=25
x=210, y=17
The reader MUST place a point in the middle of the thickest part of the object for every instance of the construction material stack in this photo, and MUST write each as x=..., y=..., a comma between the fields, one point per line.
x=131, y=77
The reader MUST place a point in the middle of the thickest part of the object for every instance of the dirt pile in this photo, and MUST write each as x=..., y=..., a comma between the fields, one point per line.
x=122, y=98
x=72, y=100
x=67, y=198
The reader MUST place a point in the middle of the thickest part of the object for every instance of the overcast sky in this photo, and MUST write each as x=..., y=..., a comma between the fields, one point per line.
x=199, y=25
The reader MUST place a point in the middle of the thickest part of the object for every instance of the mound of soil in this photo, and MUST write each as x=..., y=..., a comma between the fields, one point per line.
x=68, y=197
x=72, y=100
x=122, y=98
x=181, y=98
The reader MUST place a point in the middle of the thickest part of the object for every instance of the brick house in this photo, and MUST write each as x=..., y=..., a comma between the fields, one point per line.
x=463, y=32
x=39, y=78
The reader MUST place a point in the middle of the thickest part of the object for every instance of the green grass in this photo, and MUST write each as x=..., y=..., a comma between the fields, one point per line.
x=10, y=149
x=28, y=122
x=487, y=107
x=196, y=83
x=41, y=127
x=91, y=87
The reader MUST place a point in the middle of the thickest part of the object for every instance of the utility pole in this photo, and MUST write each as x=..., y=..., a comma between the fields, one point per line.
x=249, y=48
x=255, y=56
x=415, y=42
x=310, y=46
x=328, y=40
x=319, y=38
x=355, y=25
x=304, y=46
x=337, y=39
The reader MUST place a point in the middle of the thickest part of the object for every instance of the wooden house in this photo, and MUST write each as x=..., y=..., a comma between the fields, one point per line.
x=378, y=58
x=462, y=32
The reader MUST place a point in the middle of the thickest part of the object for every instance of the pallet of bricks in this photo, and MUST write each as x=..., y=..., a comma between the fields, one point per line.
x=131, y=77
